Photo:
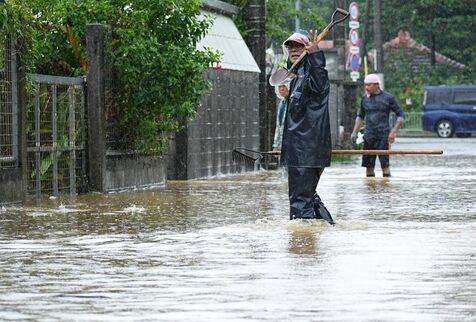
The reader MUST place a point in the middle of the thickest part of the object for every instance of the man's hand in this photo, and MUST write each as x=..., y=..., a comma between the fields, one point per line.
x=312, y=46
x=391, y=137
x=353, y=137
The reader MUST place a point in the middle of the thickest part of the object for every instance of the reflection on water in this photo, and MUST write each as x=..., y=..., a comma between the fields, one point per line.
x=304, y=237
x=224, y=250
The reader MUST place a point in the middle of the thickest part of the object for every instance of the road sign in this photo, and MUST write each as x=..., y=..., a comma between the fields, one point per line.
x=354, y=41
x=354, y=24
x=354, y=50
x=354, y=63
x=354, y=11
x=354, y=76
x=354, y=37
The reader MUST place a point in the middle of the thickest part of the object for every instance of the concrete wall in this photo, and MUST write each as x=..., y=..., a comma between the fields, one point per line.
x=11, y=186
x=228, y=118
x=132, y=171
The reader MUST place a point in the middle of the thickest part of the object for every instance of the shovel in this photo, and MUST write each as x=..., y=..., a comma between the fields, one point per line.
x=283, y=74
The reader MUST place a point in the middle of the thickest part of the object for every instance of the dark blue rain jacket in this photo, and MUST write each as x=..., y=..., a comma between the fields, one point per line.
x=307, y=135
x=375, y=109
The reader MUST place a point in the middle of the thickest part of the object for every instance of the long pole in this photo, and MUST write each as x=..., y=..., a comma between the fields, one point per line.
x=385, y=152
x=354, y=152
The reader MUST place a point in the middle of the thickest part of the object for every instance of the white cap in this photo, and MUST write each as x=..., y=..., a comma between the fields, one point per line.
x=300, y=36
x=372, y=79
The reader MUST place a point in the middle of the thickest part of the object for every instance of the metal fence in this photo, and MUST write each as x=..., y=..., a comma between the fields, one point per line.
x=412, y=123
x=8, y=104
x=56, y=136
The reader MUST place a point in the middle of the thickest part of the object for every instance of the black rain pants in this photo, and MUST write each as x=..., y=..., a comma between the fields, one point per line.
x=303, y=199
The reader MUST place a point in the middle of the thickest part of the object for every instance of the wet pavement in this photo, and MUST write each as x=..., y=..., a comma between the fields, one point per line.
x=223, y=249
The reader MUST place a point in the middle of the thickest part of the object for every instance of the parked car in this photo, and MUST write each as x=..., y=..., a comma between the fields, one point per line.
x=449, y=110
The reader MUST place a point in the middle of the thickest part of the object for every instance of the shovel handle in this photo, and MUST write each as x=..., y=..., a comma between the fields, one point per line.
x=334, y=21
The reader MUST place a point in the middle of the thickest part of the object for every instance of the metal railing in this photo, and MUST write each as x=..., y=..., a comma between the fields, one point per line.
x=412, y=123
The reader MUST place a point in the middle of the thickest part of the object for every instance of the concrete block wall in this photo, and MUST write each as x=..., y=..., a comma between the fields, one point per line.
x=11, y=186
x=126, y=171
x=228, y=118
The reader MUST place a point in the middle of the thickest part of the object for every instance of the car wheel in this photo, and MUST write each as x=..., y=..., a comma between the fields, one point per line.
x=445, y=129
x=463, y=135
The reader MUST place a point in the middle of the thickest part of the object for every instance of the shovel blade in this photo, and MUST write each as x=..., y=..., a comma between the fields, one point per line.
x=280, y=76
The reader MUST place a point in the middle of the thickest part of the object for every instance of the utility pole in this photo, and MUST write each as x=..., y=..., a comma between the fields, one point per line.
x=338, y=36
x=256, y=40
x=378, y=35
x=365, y=34
x=297, y=22
x=339, y=29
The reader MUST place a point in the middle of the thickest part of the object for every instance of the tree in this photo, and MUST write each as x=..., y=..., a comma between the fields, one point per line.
x=281, y=15
x=445, y=26
x=152, y=47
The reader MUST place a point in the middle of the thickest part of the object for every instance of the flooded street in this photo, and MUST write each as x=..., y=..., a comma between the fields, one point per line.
x=223, y=249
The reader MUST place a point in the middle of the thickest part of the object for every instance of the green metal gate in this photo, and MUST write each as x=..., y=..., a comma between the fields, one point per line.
x=56, y=136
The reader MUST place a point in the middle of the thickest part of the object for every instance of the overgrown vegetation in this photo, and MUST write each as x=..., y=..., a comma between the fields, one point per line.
x=446, y=26
x=16, y=19
x=281, y=17
x=405, y=78
x=153, y=49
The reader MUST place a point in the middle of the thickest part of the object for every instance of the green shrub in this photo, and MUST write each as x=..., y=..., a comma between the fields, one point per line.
x=152, y=48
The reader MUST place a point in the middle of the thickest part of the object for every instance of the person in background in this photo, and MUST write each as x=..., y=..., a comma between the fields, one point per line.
x=282, y=92
x=375, y=109
x=306, y=147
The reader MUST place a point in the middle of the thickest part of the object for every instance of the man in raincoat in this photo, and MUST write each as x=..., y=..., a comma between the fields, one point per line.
x=306, y=147
x=375, y=109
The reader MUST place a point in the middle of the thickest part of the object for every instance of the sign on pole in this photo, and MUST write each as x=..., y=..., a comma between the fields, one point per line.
x=354, y=41
x=354, y=11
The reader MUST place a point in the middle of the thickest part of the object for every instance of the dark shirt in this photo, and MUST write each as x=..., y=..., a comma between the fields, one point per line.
x=375, y=109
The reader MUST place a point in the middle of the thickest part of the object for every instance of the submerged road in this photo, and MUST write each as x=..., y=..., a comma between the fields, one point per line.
x=223, y=249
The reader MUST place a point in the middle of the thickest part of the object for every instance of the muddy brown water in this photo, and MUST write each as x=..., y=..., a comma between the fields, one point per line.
x=223, y=249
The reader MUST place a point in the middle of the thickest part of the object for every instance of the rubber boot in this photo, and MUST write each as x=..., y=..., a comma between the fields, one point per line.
x=386, y=172
x=370, y=172
x=321, y=211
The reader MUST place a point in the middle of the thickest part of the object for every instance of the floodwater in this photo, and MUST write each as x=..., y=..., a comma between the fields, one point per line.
x=223, y=249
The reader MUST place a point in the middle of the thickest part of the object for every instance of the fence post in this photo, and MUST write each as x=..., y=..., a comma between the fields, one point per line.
x=95, y=35
x=21, y=80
